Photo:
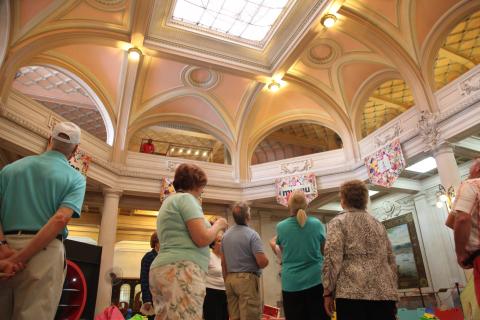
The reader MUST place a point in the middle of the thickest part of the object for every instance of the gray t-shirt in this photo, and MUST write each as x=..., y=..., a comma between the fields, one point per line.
x=239, y=246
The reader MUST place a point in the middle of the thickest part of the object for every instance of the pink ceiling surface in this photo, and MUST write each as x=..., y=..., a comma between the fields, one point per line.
x=104, y=62
x=230, y=91
x=192, y=106
x=388, y=9
x=286, y=100
x=30, y=8
x=320, y=74
x=427, y=13
x=354, y=74
x=162, y=75
x=84, y=11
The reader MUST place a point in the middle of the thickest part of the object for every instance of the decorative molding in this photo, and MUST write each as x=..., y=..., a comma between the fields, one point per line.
x=470, y=85
x=391, y=209
x=172, y=165
x=296, y=166
x=108, y=5
x=428, y=130
x=191, y=78
x=392, y=133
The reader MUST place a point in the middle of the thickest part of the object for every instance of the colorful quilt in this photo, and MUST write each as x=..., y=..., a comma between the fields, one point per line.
x=81, y=161
x=285, y=186
x=166, y=188
x=385, y=165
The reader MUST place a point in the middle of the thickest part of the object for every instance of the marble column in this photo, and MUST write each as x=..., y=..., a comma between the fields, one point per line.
x=106, y=239
x=447, y=166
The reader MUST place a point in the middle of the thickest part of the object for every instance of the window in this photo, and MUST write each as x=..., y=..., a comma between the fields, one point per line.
x=125, y=293
x=246, y=19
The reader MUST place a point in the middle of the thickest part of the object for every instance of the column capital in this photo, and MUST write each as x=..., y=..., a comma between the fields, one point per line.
x=112, y=192
x=445, y=147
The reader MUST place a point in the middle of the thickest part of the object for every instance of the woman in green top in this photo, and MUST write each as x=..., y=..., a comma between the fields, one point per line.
x=178, y=273
x=300, y=239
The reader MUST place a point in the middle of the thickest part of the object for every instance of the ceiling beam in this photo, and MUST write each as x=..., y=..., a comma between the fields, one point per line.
x=456, y=57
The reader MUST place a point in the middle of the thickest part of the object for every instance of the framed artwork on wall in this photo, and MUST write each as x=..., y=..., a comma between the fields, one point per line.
x=403, y=236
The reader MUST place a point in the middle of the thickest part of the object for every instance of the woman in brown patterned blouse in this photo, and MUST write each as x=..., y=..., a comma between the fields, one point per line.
x=359, y=270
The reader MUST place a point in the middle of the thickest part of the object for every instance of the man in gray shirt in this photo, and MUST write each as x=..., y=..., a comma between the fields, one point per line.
x=242, y=261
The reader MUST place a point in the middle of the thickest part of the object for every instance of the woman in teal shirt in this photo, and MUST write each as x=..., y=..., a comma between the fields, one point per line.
x=178, y=273
x=300, y=239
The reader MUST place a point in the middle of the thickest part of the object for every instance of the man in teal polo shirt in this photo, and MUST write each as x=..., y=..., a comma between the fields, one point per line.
x=38, y=196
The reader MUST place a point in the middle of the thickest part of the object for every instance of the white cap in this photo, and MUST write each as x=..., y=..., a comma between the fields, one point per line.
x=69, y=129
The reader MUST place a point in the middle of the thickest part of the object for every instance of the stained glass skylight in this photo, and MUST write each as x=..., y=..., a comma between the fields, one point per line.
x=249, y=20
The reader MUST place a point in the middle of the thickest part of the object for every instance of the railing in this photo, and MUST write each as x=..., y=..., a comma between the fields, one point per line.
x=178, y=150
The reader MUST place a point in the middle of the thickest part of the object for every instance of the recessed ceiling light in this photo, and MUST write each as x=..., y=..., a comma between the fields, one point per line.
x=423, y=166
x=197, y=153
x=329, y=20
x=274, y=86
x=204, y=153
x=189, y=151
x=134, y=54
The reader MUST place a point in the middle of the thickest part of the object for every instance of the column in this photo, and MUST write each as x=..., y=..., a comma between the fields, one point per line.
x=106, y=239
x=133, y=63
x=447, y=166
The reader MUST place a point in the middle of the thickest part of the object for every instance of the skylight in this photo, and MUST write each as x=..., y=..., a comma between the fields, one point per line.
x=423, y=166
x=244, y=19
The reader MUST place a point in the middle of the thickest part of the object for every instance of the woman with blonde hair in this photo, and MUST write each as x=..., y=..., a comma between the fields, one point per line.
x=300, y=239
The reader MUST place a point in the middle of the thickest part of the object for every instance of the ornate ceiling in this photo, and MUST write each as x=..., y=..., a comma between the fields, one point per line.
x=379, y=59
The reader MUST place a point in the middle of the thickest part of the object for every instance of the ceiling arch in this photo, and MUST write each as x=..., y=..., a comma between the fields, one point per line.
x=439, y=32
x=214, y=106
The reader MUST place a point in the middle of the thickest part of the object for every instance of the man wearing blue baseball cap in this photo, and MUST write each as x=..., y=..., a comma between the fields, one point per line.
x=38, y=196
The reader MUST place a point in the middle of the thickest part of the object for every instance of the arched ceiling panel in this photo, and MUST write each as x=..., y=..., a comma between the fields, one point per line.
x=387, y=9
x=85, y=9
x=192, y=106
x=426, y=15
x=269, y=105
x=354, y=74
x=162, y=75
x=230, y=91
x=31, y=8
x=104, y=63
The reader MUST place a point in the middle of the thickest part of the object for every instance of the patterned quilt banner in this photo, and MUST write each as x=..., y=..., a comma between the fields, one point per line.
x=81, y=162
x=166, y=188
x=385, y=165
x=285, y=186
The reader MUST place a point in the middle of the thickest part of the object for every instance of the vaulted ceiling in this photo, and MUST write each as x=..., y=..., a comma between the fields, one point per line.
x=338, y=84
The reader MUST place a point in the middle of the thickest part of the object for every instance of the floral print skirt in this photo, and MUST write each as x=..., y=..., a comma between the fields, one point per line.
x=178, y=290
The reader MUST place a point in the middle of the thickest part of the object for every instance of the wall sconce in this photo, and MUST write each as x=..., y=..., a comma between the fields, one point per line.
x=445, y=196
x=328, y=20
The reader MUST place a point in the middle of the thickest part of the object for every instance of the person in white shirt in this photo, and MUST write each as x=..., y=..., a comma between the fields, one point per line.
x=215, y=304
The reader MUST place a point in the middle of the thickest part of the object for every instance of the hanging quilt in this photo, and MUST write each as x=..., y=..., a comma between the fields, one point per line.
x=81, y=161
x=385, y=165
x=166, y=188
x=285, y=186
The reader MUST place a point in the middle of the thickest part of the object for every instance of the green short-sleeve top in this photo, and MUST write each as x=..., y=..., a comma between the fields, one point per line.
x=175, y=241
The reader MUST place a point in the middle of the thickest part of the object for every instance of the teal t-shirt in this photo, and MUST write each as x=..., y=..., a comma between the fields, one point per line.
x=32, y=189
x=302, y=259
x=175, y=241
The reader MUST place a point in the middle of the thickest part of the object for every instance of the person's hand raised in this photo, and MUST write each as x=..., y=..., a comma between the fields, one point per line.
x=221, y=224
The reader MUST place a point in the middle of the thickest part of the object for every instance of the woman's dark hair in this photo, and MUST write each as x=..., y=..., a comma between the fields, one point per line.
x=153, y=240
x=354, y=194
x=189, y=177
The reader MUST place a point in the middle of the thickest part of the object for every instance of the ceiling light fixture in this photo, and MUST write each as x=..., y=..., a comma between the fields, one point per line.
x=134, y=54
x=181, y=150
x=205, y=153
x=189, y=151
x=329, y=20
x=197, y=153
x=274, y=86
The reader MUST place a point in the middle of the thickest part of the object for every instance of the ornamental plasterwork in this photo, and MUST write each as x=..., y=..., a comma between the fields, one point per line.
x=428, y=130
x=468, y=86
x=172, y=165
x=392, y=133
x=391, y=209
x=202, y=78
x=297, y=166
x=108, y=5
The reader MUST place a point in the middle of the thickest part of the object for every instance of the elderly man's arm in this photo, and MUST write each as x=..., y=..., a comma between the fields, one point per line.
x=461, y=231
x=47, y=233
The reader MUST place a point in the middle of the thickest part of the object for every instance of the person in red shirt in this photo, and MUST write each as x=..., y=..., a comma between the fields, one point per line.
x=148, y=147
